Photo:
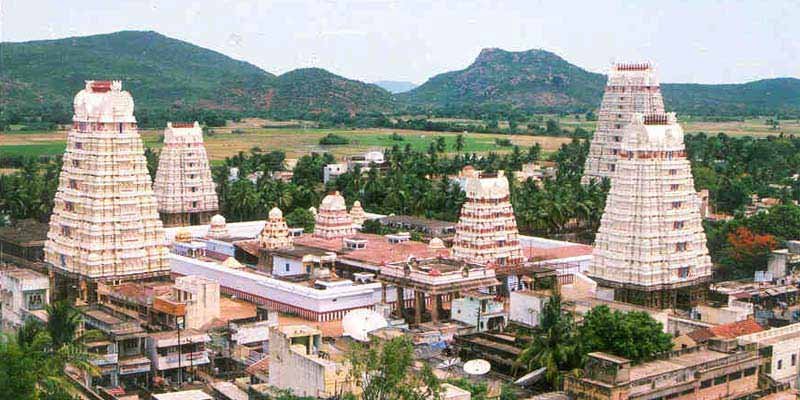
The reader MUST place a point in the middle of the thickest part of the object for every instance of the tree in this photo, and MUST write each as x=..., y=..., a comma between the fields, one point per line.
x=459, y=143
x=751, y=250
x=634, y=335
x=301, y=218
x=384, y=371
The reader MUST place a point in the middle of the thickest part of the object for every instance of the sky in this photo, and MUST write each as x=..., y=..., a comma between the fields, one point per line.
x=700, y=41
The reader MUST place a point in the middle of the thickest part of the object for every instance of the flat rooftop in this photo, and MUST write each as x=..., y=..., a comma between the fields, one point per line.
x=26, y=232
x=23, y=274
x=690, y=359
x=378, y=250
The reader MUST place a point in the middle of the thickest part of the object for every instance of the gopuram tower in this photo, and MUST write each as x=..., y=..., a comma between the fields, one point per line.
x=183, y=186
x=631, y=88
x=651, y=247
x=105, y=224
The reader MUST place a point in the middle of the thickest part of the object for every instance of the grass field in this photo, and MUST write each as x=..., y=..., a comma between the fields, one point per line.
x=295, y=142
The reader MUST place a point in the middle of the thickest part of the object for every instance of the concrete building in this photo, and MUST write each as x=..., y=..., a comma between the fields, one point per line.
x=183, y=186
x=105, y=223
x=651, y=247
x=332, y=171
x=631, y=88
x=699, y=373
x=298, y=362
x=779, y=349
x=120, y=353
x=21, y=291
x=480, y=310
x=178, y=355
x=526, y=306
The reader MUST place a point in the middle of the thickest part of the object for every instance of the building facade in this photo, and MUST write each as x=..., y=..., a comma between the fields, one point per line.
x=631, y=88
x=21, y=291
x=105, y=223
x=183, y=186
x=651, y=247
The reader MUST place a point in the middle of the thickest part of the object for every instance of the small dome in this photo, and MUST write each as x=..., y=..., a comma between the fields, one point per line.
x=360, y=322
x=218, y=220
x=356, y=204
x=333, y=201
x=275, y=213
x=436, y=243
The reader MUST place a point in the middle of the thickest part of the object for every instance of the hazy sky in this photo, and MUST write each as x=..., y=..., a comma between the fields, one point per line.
x=690, y=41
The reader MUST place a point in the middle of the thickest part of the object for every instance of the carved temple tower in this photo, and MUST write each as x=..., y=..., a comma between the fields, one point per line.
x=651, y=247
x=631, y=88
x=183, y=185
x=486, y=230
x=105, y=224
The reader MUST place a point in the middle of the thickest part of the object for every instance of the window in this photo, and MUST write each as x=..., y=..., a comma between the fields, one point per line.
x=66, y=231
x=780, y=364
x=673, y=172
x=680, y=246
x=676, y=204
x=120, y=128
x=78, y=145
x=287, y=267
x=612, y=167
x=76, y=163
x=750, y=371
x=617, y=138
x=619, y=116
x=706, y=383
x=677, y=225
x=794, y=359
x=68, y=206
x=617, y=126
x=73, y=184
x=734, y=376
x=683, y=272
x=194, y=189
x=674, y=187
x=614, y=151
x=720, y=380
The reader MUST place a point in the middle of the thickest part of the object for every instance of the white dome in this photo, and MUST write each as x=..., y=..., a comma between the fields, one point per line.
x=275, y=213
x=333, y=201
x=358, y=323
x=218, y=220
x=356, y=204
x=436, y=243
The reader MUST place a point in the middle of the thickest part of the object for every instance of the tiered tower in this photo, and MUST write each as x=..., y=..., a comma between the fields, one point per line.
x=105, y=222
x=275, y=234
x=332, y=219
x=183, y=186
x=651, y=246
x=631, y=88
x=486, y=230
x=357, y=214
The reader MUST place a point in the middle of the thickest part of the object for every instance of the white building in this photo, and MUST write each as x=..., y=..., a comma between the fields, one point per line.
x=176, y=355
x=332, y=171
x=201, y=298
x=781, y=348
x=526, y=307
x=21, y=291
x=479, y=310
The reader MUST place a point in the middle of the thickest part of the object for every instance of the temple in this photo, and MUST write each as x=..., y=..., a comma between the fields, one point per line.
x=631, y=88
x=651, y=247
x=486, y=230
x=183, y=185
x=332, y=220
x=275, y=234
x=105, y=223
x=357, y=214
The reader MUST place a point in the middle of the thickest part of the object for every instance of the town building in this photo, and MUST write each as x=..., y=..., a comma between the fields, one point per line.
x=698, y=373
x=105, y=223
x=178, y=355
x=651, y=247
x=183, y=186
x=486, y=230
x=779, y=349
x=726, y=331
x=22, y=242
x=429, y=228
x=630, y=88
x=482, y=311
x=22, y=291
x=120, y=352
x=526, y=306
x=332, y=171
x=300, y=362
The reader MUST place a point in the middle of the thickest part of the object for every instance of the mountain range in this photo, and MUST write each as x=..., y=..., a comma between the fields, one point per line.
x=39, y=78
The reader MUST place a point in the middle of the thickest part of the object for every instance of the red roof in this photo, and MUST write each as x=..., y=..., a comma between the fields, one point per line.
x=554, y=253
x=726, y=331
x=377, y=252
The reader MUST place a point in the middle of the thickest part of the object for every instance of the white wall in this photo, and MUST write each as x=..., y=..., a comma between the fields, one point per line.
x=525, y=308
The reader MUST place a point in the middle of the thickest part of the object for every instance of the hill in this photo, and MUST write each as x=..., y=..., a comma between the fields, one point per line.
x=540, y=81
x=396, y=86
x=166, y=77
x=534, y=80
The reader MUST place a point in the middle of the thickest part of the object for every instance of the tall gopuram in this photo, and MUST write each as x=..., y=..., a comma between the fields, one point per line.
x=332, y=219
x=105, y=224
x=651, y=247
x=631, y=88
x=183, y=186
x=487, y=231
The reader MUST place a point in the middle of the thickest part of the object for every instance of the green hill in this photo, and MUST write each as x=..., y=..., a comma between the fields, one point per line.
x=534, y=80
x=166, y=77
x=540, y=81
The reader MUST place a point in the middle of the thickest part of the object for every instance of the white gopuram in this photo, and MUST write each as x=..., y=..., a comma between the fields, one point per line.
x=487, y=230
x=183, y=185
x=275, y=234
x=631, y=88
x=651, y=246
x=105, y=223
